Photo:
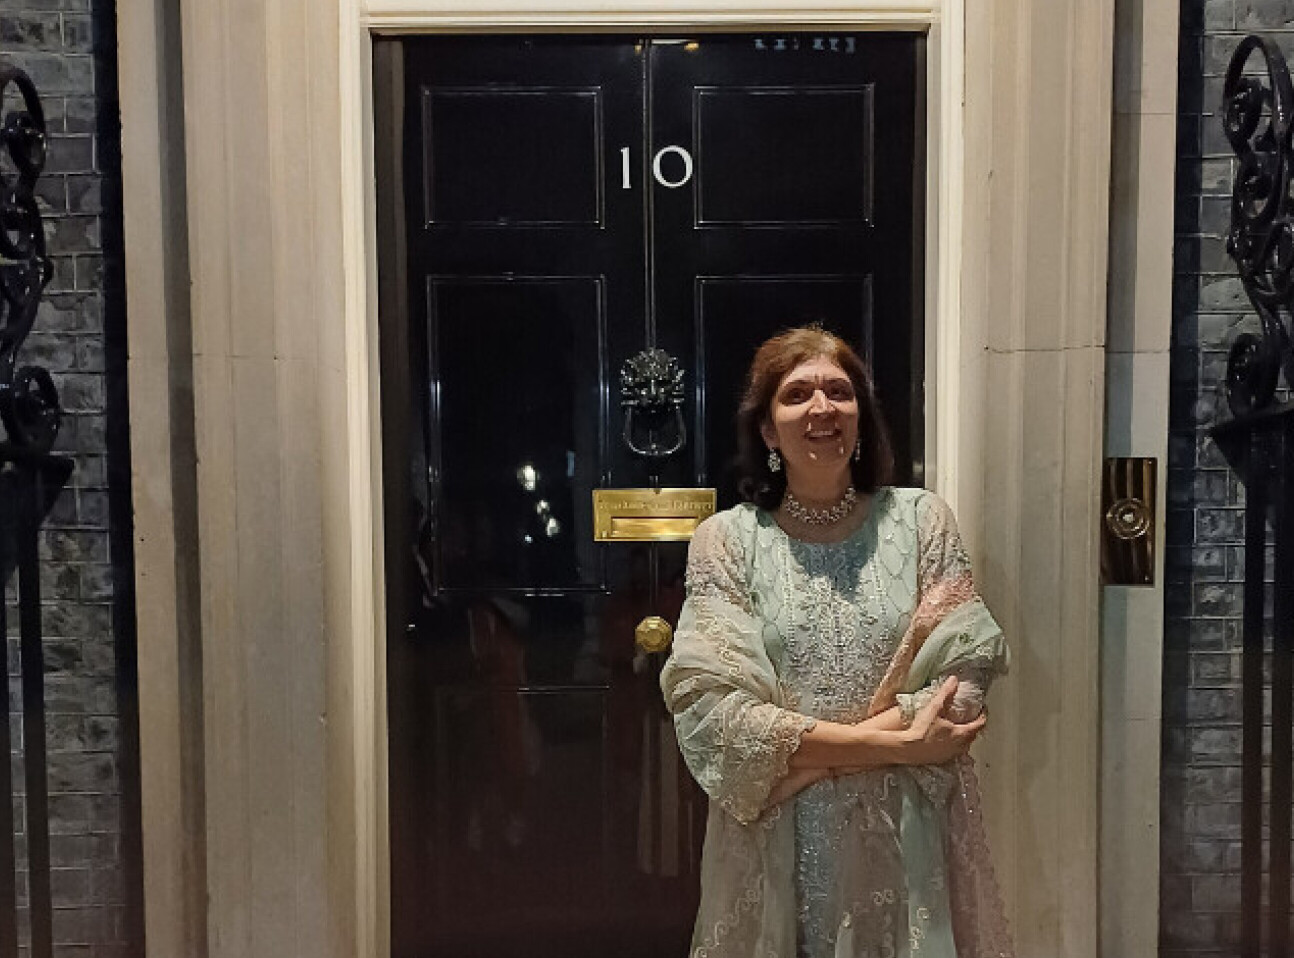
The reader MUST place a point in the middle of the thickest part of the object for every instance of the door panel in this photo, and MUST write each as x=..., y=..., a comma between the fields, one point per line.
x=479, y=144
x=807, y=168
x=549, y=206
x=516, y=449
x=749, y=172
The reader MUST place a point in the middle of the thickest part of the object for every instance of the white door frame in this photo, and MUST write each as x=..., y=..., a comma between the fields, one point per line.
x=939, y=20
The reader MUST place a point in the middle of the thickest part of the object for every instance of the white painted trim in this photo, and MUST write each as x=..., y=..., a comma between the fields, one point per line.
x=946, y=198
x=945, y=101
x=428, y=15
x=364, y=429
x=945, y=59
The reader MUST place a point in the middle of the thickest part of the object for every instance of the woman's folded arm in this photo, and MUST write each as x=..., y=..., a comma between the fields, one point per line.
x=930, y=739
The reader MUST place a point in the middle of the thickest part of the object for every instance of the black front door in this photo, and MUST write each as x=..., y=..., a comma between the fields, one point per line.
x=548, y=207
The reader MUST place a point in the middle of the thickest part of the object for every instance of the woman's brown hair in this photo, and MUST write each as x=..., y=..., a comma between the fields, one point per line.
x=773, y=360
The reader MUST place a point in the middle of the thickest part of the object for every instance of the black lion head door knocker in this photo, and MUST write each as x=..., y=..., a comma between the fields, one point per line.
x=651, y=394
x=1258, y=119
x=29, y=407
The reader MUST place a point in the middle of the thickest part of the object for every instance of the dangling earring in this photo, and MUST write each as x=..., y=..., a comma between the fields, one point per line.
x=858, y=451
x=774, y=461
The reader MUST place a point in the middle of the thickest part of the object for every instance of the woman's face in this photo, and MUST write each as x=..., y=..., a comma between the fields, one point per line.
x=813, y=419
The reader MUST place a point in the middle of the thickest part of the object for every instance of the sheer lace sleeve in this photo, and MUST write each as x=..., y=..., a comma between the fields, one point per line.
x=719, y=683
x=963, y=640
x=952, y=632
x=964, y=634
x=944, y=578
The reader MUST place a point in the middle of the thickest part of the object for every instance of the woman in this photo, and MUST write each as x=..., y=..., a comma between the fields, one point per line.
x=826, y=680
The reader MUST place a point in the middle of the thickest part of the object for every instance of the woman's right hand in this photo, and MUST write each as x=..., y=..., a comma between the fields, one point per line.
x=932, y=739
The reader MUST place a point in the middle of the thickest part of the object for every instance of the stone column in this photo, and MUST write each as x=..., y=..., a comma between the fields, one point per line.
x=1038, y=104
x=244, y=390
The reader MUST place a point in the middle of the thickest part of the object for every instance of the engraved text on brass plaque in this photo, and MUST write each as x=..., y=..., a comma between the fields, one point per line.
x=649, y=515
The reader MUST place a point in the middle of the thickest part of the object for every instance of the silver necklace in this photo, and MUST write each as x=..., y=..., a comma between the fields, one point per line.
x=820, y=517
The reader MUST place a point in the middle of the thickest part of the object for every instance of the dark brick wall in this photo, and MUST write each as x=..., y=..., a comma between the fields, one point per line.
x=69, y=47
x=1200, y=804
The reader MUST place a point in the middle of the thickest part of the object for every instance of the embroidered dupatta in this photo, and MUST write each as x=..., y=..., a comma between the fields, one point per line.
x=737, y=733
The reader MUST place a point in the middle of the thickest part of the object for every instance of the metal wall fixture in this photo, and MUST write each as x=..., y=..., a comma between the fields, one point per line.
x=1258, y=118
x=31, y=479
x=1128, y=521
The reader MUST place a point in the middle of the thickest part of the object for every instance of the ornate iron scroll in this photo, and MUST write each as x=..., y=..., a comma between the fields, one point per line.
x=1258, y=118
x=651, y=392
x=1258, y=108
x=29, y=406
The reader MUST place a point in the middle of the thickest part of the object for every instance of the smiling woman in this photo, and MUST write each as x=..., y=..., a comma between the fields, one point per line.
x=809, y=406
x=827, y=679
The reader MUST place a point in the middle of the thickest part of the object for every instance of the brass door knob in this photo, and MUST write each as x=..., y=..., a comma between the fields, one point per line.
x=653, y=634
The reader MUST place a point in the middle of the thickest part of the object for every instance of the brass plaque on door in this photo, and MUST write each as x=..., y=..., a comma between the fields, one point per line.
x=649, y=515
x=1128, y=521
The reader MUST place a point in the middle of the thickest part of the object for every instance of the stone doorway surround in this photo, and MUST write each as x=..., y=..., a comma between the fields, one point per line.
x=249, y=212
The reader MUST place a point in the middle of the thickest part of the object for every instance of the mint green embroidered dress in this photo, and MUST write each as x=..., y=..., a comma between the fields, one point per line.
x=777, y=633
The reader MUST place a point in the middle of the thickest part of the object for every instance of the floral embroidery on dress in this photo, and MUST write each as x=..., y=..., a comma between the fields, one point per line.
x=838, y=623
x=755, y=737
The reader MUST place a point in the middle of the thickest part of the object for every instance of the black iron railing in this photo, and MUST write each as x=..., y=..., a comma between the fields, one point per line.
x=1258, y=118
x=31, y=478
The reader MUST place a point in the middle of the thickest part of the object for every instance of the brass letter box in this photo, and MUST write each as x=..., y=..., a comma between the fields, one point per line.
x=649, y=515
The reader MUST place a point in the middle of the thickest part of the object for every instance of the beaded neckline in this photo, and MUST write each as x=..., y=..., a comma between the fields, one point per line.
x=820, y=517
x=876, y=506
